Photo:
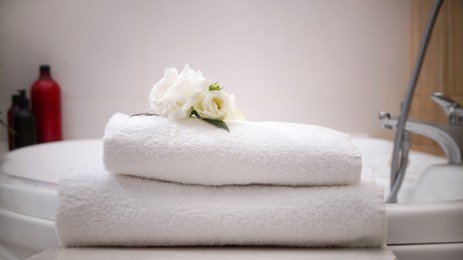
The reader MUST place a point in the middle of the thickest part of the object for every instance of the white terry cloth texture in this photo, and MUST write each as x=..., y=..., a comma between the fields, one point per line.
x=192, y=151
x=97, y=208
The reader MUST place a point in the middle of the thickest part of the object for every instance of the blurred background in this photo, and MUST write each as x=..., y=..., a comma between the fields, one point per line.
x=326, y=62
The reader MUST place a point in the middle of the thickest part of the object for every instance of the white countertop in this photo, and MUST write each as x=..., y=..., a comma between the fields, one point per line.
x=206, y=253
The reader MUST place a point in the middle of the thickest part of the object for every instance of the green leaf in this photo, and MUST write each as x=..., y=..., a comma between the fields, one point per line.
x=218, y=124
x=194, y=113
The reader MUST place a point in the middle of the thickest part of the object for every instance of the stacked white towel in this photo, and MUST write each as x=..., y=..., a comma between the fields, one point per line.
x=192, y=151
x=189, y=183
x=97, y=208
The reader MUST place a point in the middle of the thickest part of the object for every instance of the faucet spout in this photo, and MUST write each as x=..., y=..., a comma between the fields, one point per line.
x=451, y=108
x=445, y=140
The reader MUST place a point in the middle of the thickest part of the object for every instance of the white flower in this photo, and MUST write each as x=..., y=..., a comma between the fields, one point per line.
x=173, y=95
x=215, y=105
x=180, y=96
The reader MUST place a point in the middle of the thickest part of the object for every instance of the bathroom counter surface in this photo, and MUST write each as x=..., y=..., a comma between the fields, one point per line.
x=214, y=253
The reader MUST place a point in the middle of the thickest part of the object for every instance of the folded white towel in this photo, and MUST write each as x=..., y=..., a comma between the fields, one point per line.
x=97, y=208
x=192, y=151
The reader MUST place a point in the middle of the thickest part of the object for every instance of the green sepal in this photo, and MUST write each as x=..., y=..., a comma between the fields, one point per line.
x=144, y=114
x=215, y=87
x=194, y=113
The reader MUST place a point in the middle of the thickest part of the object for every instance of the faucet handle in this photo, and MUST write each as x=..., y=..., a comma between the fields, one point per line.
x=386, y=120
x=451, y=107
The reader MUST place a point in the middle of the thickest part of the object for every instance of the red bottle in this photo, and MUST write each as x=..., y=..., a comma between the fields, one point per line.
x=46, y=106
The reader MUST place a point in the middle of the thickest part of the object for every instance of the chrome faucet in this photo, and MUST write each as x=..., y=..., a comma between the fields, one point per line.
x=401, y=139
x=448, y=136
x=451, y=108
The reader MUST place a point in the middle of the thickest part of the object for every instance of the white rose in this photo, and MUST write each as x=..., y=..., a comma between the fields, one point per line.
x=215, y=105
x=159, y=90
x=173, y=95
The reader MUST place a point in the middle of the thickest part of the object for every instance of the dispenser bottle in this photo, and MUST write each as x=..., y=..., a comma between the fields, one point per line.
x=24, y=123
x=46, y=106
x=11, y=112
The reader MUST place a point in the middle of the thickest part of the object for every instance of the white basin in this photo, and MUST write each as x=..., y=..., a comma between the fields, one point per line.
x=30, y=176
x=427, y=221
x=53, y=159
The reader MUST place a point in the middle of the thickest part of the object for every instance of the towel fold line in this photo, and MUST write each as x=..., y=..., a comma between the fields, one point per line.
x=301, y=185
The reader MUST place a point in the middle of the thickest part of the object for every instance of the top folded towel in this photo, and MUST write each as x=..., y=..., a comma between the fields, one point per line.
x=194, y=152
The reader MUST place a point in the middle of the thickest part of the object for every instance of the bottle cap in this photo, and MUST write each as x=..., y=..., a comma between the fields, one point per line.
x=15, y=99
x=23, y=102
x=44, y=68
x=22, y=93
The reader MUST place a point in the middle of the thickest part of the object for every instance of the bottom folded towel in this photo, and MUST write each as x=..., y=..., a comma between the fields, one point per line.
x=97, y=208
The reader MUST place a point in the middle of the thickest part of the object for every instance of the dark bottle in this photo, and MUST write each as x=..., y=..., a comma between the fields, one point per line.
x=46, y=106
x=24, y=123
x=14, y=107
